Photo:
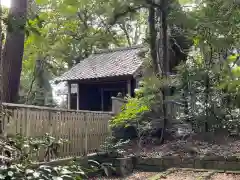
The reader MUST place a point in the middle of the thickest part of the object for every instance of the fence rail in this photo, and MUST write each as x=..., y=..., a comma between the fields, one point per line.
x=85, y=130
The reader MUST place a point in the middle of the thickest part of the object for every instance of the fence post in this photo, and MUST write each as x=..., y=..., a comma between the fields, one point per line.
x=27, y=121
x=86, y=134
x=50, y=122
x=1, y=119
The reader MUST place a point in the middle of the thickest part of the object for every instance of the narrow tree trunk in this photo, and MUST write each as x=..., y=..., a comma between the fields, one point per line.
x=13, y=51
x=186, y=108
x=164, y=60
x=207, y=91
x=1, y=56
x=165, y=38
x=40, y=93
x=1, y=40
x=123, y=27
x=208, y=62
x=152, y=39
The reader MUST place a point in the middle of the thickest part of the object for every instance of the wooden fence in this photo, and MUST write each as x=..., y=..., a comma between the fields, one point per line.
x=85, y=130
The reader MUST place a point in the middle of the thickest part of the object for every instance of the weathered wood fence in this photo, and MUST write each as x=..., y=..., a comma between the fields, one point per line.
x=85, y=130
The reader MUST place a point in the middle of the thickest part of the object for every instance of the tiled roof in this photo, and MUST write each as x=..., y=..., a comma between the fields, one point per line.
x=110, y=63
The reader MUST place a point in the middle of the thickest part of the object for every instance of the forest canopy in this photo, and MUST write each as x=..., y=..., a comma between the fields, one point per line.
x=60, y=33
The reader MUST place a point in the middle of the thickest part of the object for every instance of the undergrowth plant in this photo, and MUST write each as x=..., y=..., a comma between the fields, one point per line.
x=210, y=92
x=112, y=145
x=51, y=146
x=18, y=154
x=147, y=100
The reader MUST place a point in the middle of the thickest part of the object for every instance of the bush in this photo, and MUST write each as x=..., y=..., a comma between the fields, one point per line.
x=17, y=171
x=147, y=100
x=111, y=144
x=19, y=152
x=210, y=94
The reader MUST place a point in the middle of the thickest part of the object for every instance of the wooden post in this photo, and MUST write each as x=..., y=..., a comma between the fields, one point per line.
x=78, y=96
x=102, y=102
x=28, y=129
x=86, y=134
x=129, y=88
x=69, y=95
x=50, y=123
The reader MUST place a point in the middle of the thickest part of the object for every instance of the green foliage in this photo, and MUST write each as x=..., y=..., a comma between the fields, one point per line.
x=27, y=148
x=147, y=97
x=43, y=172
x=102, y=168
x=70, y=34
x=18, y=155
x=208, y=82
x=38, y=91
x=112, y=145
x=62, y=33
x=209, y=92
x=132, y=111
x=51, y=146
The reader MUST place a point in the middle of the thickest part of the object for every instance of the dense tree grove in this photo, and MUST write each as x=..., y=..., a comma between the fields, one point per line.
x=196, y=40
x=190, y=76
x=70, y=31
x=207, y=83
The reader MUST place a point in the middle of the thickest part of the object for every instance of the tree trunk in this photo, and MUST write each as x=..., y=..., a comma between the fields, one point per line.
x=164, y=34
x=152, y=39
x=1, y=58
x=13, y=51
x=207, y=91
x=163, y=59
x=40, y=92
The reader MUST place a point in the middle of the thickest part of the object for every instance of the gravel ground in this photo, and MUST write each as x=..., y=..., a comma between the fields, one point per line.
x=177, y=175
x=134, y=176
x=224, y=176
x=183, y=175
x=193, y=175
x=183, y=148
x=220, y=147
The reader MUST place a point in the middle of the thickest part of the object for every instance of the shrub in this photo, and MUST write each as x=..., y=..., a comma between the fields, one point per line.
x=147, y=99
x=18, y=153
x=17, y=171
x=111, y=144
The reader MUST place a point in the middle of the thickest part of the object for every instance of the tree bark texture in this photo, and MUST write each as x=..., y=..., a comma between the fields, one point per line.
x=152, y=39
x=13, y=51
x=163, y=58
x=164, y=38
x=0, y=57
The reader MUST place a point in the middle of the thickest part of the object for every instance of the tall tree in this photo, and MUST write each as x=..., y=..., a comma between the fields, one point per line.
x=0, y=53
x=68, y=35
x=13, y=51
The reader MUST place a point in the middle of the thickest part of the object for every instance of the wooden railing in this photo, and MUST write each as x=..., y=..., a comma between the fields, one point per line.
x=85, y=130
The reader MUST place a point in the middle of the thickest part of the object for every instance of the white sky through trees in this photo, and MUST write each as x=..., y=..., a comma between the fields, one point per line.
x=6, y=3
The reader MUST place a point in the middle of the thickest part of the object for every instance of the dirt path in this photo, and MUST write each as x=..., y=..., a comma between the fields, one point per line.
x=214, y=145
x=195, y=175
x=183, y=175
x=134, y=176
x=224, y=176
x=177, y=174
